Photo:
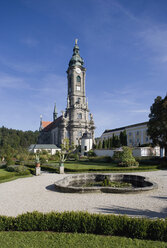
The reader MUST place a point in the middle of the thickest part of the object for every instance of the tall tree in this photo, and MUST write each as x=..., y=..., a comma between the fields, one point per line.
x=123, y=138
x=103, y=144
x=99, y=145
x=110, y=143
x=157, y=125
x=117, y=141
x=16, y=138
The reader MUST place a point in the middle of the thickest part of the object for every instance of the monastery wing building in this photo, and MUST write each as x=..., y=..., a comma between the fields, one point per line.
x=136, y=134
x=76, y=119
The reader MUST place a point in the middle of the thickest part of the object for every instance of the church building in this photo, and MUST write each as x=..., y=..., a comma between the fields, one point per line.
x=76, y=120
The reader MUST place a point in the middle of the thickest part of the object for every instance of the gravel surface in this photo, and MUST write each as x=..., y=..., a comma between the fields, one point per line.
x=37, y=193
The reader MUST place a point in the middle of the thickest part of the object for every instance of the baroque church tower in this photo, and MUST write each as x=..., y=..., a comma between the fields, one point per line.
x=76, y=120
x=77, y=105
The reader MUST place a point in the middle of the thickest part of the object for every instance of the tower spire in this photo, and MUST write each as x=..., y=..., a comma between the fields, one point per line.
x=55, y=113
x=40, y=127
x=76, y=58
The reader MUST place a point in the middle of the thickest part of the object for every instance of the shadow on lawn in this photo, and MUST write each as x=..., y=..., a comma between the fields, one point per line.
x=132, y=212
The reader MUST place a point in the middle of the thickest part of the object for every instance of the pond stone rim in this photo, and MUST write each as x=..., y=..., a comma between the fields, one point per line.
x=64, y=187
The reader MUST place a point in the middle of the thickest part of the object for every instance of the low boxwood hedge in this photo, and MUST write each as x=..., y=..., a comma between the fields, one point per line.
x=54, y=169
x=114, y=169
x=83, y=222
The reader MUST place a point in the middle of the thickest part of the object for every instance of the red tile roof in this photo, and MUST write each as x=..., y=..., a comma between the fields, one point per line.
x=45, y=123
x=52, y=124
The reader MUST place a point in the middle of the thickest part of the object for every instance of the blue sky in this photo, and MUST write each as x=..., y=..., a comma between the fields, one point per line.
x=123, y=44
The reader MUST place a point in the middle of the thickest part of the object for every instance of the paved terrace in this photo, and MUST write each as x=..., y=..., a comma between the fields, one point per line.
x=37, y=193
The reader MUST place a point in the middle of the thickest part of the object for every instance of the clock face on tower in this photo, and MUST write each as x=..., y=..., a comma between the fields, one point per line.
x=78, y=70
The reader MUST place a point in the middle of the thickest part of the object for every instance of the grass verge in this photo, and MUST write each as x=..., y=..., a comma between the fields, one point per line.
x=66, y=240
x=6, y=176
x=104, y=167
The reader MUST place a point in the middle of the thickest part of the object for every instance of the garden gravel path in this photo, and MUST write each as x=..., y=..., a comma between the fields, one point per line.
x=37, y=193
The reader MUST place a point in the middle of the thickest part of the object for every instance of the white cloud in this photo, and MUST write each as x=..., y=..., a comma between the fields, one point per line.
x=125, y=11
x=30, y=42
x=155, y=39
x=140, y=111
x=24, y=67
x=8, y=81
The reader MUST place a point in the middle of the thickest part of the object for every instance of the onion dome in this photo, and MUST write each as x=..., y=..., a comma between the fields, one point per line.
x=76, y=58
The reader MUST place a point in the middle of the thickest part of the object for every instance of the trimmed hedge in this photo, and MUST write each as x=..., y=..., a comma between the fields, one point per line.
x=114, y=169
x=100, y=159
x=82, y=222
x=43, y=168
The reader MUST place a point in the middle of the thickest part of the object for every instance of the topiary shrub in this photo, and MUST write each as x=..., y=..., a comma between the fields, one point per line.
x=11, y=168
x=91, y=153
x=125, y=158
x=9, y=161
x=20, y=169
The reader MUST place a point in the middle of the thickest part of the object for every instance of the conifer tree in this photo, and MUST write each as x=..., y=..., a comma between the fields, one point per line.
x=99, y=145
x=103, y=144
x=106, y=144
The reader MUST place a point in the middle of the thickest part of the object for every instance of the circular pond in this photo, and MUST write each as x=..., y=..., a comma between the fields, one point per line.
x=107, y=183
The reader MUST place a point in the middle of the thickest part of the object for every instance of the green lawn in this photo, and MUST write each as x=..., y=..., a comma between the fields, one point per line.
x=6, y=176
x=80, y=166
x=87, y=166
x=65, y=240
x=4, y=172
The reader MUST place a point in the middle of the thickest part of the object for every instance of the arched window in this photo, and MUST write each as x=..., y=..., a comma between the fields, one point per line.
x=78, y=79
x=79, y=116
x=79, y=100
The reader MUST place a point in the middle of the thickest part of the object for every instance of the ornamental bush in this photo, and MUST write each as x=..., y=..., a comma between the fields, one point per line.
x=125, y=158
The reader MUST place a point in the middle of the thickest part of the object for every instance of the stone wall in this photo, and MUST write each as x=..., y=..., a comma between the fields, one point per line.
x=104, y=152
x=137, y=152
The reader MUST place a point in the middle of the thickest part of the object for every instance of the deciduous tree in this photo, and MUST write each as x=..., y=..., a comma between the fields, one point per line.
x=157, y=125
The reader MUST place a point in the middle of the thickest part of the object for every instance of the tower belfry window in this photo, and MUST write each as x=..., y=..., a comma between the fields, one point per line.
x=78, y=79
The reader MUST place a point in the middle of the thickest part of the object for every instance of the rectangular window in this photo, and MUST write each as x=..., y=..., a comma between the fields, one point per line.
x=137, y=133
x=78, y=88
x=130, y=134
x=85, y=148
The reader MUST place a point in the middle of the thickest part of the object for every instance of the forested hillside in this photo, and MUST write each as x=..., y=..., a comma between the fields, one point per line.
x=17, y=139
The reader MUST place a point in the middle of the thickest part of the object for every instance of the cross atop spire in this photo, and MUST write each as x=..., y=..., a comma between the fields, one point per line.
x=76, y=41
